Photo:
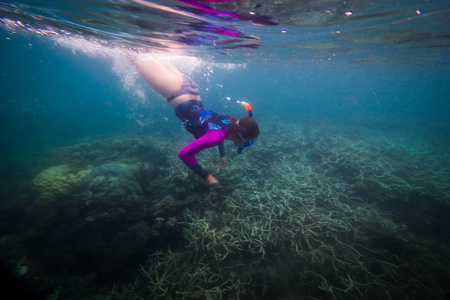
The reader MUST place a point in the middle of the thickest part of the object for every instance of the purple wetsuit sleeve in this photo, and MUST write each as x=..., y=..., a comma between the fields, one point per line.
x=210, y=139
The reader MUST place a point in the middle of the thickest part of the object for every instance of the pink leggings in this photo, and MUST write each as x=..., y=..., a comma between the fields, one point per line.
x=210, y=139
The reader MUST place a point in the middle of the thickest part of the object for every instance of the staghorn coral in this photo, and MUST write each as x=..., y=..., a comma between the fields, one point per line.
x=308, y=223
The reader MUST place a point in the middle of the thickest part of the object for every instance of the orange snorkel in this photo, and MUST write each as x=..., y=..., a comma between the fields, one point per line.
x=248, y=107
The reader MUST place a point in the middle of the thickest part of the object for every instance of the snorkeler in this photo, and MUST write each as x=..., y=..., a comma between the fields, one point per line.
x=210, y=129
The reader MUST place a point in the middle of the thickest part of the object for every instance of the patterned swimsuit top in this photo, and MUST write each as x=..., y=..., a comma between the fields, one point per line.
x=199, y=120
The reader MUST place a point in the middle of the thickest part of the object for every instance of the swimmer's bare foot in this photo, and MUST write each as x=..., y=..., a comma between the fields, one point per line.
x=211, y=180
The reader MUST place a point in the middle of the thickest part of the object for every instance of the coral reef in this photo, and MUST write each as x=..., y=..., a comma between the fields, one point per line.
x=309, y=219
x=94, y=212
x=56, y=182
x=336, y=213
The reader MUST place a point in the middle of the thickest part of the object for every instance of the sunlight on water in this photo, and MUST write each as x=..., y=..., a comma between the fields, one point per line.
x=262, y=30
x=126, y=71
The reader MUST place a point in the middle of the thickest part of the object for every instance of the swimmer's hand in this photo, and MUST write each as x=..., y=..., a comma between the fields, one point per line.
x=211, y=180
x=222, y=163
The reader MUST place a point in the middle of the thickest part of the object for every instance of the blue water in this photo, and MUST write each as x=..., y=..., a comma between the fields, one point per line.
x=388, y=76
x=46, y=84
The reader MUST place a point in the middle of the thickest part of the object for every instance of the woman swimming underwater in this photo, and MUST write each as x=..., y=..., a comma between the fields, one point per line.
x=209, y=128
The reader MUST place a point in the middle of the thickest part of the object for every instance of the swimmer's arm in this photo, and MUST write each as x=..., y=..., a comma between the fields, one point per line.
x=187, y=154
x=223, y=160
x=221, y=149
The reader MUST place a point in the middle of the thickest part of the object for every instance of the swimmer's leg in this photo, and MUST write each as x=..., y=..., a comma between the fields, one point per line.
x=161, y=75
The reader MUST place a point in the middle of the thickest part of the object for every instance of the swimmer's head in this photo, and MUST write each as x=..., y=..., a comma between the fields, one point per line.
x=245, y=130
x=248, y=129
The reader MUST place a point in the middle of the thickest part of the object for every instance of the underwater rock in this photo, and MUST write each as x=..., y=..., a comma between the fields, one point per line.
x=104, y=254
x=57, y=181
x=112, y=185
x=115, y=169
x=101, y=223
x=171, y=223
x=99, y=155
x=105, y=218
x=164, y=207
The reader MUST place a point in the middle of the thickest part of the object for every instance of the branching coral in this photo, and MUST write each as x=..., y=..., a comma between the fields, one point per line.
x=310, y=221
x=312, y=218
